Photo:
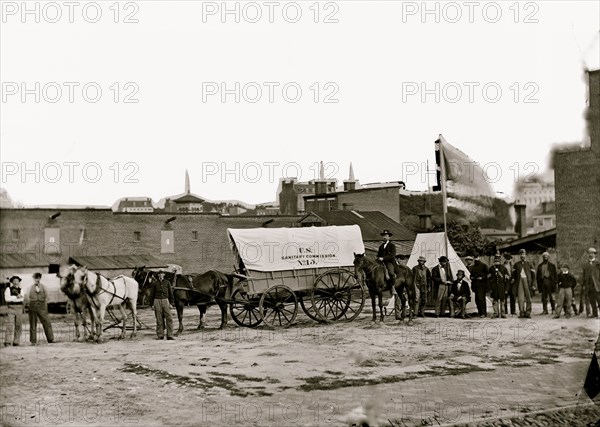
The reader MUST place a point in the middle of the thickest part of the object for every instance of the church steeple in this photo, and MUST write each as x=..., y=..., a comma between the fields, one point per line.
x=350, y=184
x=187, y=182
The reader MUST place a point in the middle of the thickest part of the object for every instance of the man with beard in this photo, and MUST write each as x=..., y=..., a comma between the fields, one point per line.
x=546, y=281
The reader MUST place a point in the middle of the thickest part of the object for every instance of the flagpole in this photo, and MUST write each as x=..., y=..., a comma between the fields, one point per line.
x=444, y=195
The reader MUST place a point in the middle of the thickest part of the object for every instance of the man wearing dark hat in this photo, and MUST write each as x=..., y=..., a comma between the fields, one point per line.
x=14, y=298
x=161, y=301
x=387, y=255
x=479, y=272
x=523, y=276
x=460, y=295
x=511, y=294
x=37, y=299
x=442, y=282
x=423, y=283
x=566, y=284
x=499, y=283
x=546, y=282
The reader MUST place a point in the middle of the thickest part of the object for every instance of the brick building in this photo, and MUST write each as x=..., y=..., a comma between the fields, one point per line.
x=33, y=239
x=577, y=180
x=195, y=241
x=385, y=199
x=290, y=194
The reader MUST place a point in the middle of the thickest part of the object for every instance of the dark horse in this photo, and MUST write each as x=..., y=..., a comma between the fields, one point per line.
x=202, y=290
x=373, y=274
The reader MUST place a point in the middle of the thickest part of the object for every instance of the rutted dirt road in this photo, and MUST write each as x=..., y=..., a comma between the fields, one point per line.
x=438, y=371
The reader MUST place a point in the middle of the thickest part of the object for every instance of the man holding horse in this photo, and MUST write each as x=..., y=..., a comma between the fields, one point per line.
x=387, y=255
x=161, y=301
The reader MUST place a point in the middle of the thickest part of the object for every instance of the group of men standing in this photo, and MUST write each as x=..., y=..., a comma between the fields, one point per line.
x=37, y=300
x=503, y=281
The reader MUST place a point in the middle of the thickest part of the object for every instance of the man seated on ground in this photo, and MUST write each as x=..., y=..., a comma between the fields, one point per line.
x=460, y=295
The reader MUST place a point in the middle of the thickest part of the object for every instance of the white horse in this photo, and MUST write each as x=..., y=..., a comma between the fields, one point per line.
x=103, y=293
x=78, y=302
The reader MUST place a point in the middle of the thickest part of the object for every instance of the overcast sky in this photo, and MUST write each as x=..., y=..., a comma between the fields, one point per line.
x=374, y=58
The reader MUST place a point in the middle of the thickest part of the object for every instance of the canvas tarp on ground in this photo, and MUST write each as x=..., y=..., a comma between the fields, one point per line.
x=432, y=246
x=279, y=249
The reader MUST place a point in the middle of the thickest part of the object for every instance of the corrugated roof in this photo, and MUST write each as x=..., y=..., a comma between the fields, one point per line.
x=24, y=260
x=116, y=262
x=371, y=224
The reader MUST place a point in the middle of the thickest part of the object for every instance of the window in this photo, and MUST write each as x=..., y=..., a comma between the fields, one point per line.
x=15, y=235
x=167, y=244
x=194, y=236
x=540, y=223
x=137, y=236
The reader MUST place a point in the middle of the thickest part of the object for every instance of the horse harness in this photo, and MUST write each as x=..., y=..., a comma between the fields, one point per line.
x=215, y=296
x=99, y=289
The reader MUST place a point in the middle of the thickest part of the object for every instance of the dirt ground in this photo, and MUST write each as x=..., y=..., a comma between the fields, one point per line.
x=307, y=375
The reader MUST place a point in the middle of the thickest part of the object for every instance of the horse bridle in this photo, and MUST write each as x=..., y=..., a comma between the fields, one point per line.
x=98, y=288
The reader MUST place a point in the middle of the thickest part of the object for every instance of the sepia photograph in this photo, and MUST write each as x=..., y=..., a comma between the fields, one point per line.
x=354, y=213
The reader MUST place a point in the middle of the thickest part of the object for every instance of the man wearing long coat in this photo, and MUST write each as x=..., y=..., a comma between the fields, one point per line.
x=546, y=280
x=523, y=282
x=499, y=284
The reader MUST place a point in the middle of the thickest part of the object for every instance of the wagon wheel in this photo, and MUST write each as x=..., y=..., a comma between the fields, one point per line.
x=244, y=309
x=309, y=308
x=278, y=306
x=337, y=295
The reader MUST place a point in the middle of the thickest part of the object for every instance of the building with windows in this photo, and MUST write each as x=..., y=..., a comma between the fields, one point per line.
x=134, y=204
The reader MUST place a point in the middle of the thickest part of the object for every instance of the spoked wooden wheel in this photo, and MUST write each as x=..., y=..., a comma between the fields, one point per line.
x=278, y=307
x=309, y=308
x=337, y=295
x=244, y=309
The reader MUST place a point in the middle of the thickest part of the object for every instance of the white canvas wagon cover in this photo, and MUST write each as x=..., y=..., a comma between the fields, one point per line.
x=278, y=249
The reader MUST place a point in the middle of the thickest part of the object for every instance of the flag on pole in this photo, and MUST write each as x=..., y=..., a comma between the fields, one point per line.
x=463, y=182
x=592, y=379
